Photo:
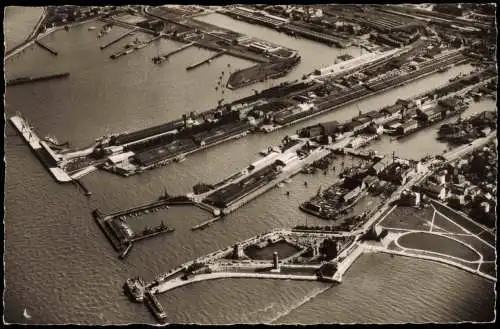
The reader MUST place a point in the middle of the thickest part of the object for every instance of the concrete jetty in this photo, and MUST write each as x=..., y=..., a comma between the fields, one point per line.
x=175, y=283
x=136, y=47
x=36, y=144
x=207, y=223
x=162, y=58
x=82, y=186
x=50, y=50
x=123, y=36
x=205, y=61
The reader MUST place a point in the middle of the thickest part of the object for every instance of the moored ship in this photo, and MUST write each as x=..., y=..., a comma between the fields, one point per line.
x=135, y=289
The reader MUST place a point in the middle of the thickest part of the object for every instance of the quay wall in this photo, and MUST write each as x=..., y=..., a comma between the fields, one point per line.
x=35, y=143
x=170, y=285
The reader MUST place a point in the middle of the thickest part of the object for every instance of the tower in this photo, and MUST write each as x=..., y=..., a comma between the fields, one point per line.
x=237, y=252
x=276, y=265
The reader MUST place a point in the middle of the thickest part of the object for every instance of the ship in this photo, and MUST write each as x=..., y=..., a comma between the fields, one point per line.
x=180, y=158
x=155, y=306
x=135, y=289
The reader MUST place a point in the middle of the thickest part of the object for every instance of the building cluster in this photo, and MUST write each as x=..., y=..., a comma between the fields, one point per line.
x=63, y=15
x=468, y=184
x=465, y=131
x=396, y=38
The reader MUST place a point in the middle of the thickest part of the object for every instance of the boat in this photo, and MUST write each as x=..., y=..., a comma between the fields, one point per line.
x=92, y=28
x=156, y=307
x=444, y=69
x=134, y=288
x=180, y=158
x=26, y=315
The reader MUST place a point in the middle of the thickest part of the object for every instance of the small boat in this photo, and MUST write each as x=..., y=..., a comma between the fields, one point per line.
x=92, y=28
x=26, y=315
x=280, y=185
x=180, y=158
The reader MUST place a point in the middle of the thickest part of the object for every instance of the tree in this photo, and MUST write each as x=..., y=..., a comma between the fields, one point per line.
x=328, y=249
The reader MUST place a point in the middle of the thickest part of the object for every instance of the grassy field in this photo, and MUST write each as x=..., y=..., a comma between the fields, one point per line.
x=409, y=218
x=439, y=244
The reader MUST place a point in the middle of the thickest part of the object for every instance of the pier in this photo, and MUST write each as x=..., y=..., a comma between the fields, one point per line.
x=82, y=186
x=207, y=223
x=50, y=50
x=24, y=80
x=118, y=39
x=34, y=142
x=162, y=58
x=121, y=236
x=205, y=61
x=135, y=47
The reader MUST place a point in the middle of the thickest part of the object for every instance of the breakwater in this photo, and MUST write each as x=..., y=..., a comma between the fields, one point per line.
x=47, y=48
x=24, y=80
x=206, y=61
x=123, y=36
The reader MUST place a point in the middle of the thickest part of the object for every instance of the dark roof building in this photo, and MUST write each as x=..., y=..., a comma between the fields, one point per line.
x=329, y=128
x=380, y=166
x=392, y=109
x=431, y=114
x=355, y=126
x=374, y=114
x=362, y=119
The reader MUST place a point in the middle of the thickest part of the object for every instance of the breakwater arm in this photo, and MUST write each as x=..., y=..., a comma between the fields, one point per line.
x=24, y=80
x=50, y=50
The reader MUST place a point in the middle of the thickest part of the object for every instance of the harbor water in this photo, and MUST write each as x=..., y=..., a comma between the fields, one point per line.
x=59, y=265
x=19, y=24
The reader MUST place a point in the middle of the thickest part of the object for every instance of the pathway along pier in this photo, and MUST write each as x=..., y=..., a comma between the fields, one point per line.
x=118, y=39
x=162, y=58
x=50, y=50
x=206, y=61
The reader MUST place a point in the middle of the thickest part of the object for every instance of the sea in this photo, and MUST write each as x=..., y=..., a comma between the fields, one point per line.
x=60, y=268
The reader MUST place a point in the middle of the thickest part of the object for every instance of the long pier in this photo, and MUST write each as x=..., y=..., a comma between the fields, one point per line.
x=118, y=39
x=162, y=58
x=80, y=184
x=35, y=143
x=25, y=80
x=50, y=50
x=207, y=223
x=135, y=48
x=205, y=61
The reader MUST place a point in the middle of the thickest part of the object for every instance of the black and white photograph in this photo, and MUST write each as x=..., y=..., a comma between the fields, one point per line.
x=276, y=164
